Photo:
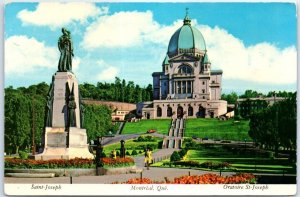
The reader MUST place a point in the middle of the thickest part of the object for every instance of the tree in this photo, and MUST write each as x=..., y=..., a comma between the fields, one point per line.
x=275, y=126
x=117, y=91
x=251, y=94
x=175, y=156
x=97, y=120
x=230, y=98
x=17, y=121
x=24, y=114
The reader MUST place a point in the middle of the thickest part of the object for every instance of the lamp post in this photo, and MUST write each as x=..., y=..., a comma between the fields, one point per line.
x=99, y=151
x=33, y=127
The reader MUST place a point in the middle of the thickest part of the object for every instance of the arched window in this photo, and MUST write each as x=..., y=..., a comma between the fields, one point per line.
x=184, y=69
x=201, y=112
x=179, y=112
x=158, y=112
x=190, y=111
x=169, y=112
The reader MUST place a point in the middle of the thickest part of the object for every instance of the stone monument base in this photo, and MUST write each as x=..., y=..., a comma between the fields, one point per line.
x=61, y=145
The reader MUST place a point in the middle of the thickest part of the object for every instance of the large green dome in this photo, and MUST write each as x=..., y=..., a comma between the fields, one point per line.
x=186, y=37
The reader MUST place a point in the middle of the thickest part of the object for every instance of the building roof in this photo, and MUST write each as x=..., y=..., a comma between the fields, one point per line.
x=206, y=59
x=157, y=74
x=216, y=71
x=186, y=37
x=166, y=60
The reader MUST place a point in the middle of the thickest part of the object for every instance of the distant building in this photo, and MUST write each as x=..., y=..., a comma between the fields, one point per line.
x=187, y=86
x=119, y=109
x=246, y=106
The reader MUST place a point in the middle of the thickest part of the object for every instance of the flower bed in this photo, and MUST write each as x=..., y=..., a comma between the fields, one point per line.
x=14, y=163
x=118, y=162
x=199, y=179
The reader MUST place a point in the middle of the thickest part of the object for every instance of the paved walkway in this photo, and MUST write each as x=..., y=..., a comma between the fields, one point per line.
x=157, y=174
x=157, y=156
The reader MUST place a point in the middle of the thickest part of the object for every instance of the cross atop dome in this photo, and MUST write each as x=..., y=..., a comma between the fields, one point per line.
x=187, y=20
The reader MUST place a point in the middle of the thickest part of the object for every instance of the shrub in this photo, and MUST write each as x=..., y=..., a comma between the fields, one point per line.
x=207, y=164
x=271, y=155
x=187, y=163
x=127, y=153
x=140, y=152
x=237, y=117
x=211, y=165
x=189, y=143
x=23, y=155
x=151, y=146
x=147, y=146
x=159, y=144
x=175, y=156
x=118, y=154
x=134, y=152
x=147, y=138
x=139, y=139
x=182, y=153
x=102, y=155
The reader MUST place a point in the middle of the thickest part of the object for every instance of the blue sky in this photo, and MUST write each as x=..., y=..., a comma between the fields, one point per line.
x=253, y=43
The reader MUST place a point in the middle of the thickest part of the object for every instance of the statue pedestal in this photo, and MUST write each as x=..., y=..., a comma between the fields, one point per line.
x=58, y=143
x=62, y=81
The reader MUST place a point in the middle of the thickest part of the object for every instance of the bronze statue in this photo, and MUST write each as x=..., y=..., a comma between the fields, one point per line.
x=49, y=105
x=65, y=47
x=72, y=107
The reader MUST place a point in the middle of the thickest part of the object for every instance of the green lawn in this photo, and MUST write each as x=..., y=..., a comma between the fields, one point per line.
x=199, y=127
x=130, y=145
x=161, y=126
x=217, y=129
x=246, y=162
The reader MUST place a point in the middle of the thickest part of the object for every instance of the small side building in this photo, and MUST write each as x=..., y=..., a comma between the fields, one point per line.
x=119, y=109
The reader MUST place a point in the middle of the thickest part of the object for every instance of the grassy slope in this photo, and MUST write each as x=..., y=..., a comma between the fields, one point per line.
x=216, y=129
x=211, y=128
x=161, y=126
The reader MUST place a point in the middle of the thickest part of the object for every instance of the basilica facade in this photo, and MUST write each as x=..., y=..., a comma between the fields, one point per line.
x=187, y=86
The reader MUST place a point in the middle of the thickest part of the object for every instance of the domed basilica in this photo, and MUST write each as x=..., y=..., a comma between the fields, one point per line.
x=187, y=87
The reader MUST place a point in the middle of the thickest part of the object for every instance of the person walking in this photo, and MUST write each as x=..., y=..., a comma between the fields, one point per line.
x=148, y=158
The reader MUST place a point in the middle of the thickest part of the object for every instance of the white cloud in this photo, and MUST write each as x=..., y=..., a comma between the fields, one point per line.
x=262, y=62
x=57, y=14
x=75, y=64
x=125, y=29
x=23, y=54
x=109, y=73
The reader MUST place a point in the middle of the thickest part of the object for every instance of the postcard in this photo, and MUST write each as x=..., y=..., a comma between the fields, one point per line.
x=150, y=98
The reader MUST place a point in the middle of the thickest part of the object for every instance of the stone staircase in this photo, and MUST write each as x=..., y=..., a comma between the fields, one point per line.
x=176, y=132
